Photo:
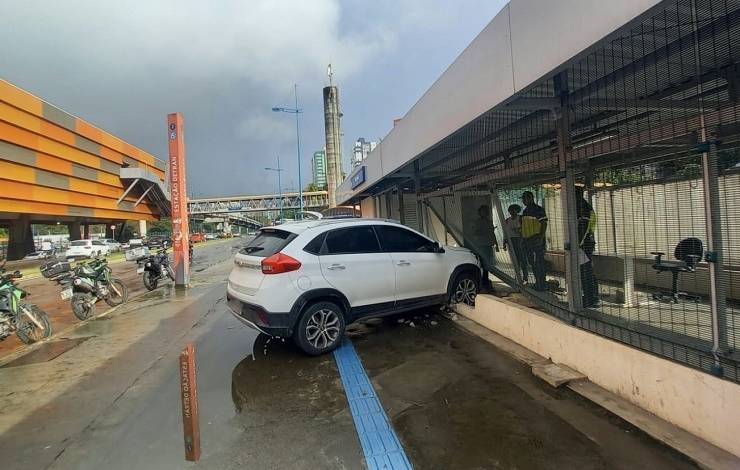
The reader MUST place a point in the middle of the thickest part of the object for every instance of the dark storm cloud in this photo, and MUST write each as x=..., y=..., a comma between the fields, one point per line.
x=125, y=65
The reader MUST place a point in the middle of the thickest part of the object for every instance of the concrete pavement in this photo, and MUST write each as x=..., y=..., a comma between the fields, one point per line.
x=112, y=400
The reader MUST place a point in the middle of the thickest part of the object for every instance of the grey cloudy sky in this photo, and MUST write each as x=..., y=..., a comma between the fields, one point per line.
x=124, y=65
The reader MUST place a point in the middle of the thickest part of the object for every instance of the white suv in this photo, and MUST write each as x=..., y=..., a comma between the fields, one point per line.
x=87, y=249
x=310, y=279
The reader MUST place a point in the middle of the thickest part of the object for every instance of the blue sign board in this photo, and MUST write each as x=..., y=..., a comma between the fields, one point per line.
x=358, y=178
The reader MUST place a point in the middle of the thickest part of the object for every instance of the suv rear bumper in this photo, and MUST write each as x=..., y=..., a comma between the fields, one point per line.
x=256, y=317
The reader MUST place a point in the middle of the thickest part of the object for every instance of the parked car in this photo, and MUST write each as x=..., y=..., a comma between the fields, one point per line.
x=112, y=244
x=197, y=237
x=158, y=241
x=210, y=236
x=87, y=249
x=134, y=242
x=307, y=280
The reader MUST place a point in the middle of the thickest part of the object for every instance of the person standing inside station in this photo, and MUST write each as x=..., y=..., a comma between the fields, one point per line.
x=587, y=243
x=484, y=241
x=534, y=225
x=513, y=229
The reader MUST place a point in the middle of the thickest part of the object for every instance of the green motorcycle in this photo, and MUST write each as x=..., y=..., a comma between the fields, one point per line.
x=27, y=321
x=89, y=283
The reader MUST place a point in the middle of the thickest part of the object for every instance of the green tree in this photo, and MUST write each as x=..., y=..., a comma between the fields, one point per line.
x=160, y=226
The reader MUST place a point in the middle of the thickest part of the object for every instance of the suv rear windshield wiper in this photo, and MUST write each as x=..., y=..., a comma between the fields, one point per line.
x=251, y=249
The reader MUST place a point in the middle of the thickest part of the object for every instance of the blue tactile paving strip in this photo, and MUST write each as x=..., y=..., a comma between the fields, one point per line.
x=378, y=439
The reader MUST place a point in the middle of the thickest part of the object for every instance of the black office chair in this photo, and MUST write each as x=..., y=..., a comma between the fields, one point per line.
x=688, y=253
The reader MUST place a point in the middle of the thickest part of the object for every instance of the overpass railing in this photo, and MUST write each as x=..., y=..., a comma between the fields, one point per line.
x=272, y=202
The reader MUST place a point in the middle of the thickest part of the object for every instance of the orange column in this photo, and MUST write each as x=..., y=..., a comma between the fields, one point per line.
x=178, y=198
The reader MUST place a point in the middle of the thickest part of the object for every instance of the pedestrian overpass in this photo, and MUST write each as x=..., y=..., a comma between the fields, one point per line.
x=234, y=209
x=312, y=200
x=240, y=220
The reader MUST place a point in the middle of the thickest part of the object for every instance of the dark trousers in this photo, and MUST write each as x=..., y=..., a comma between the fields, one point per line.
x=589, y=284
x=534, y=251
x=517, y=246
x=487, y=258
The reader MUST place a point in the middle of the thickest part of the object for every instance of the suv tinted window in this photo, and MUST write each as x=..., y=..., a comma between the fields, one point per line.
x=400, y=240
x=314, y=246
x=268, y=242
x=351, y=240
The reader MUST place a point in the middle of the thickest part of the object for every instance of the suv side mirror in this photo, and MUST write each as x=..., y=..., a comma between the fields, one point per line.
x=437, y=248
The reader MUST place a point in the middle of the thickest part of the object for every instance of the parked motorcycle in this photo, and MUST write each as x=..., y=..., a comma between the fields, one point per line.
x=91, y=282
x=27, y=321
x=154, y=268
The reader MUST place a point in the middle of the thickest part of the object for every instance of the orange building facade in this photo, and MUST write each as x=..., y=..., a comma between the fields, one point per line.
x=55, y=167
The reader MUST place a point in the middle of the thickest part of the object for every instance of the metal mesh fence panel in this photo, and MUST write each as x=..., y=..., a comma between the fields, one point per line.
x=631, y=153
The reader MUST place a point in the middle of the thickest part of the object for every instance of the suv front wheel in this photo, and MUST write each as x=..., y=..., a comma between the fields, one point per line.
x=320, y=328
x=465, y=288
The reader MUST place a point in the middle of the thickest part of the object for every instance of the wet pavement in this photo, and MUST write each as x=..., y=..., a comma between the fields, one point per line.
x=45, y=293
x=112, y=400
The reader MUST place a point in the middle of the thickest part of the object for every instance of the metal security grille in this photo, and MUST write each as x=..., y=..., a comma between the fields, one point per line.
x=631, y=150
x=409, y=211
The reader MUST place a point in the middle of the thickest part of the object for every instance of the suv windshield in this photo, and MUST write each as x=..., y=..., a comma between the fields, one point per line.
x=78, y=243
x=268, y=242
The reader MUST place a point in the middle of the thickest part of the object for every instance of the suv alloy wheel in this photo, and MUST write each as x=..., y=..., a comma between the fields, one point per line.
x=320, y=328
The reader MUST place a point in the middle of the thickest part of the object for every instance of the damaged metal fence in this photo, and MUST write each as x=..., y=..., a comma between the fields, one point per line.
x=632, y=152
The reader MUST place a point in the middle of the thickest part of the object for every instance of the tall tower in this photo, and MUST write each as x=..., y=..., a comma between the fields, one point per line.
x=332, y=126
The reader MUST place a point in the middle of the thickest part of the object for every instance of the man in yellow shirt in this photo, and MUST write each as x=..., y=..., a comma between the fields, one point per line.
x=534, y=225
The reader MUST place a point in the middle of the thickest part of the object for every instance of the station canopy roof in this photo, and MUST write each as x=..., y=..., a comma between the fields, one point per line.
x=641, y=94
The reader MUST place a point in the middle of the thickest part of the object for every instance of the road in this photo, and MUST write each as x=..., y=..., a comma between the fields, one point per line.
x=110, y=399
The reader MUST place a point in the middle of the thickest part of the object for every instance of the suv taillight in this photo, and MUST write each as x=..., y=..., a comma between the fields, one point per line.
x=279, y=263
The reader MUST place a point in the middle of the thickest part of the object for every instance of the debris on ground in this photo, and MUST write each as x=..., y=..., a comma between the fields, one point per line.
x=411, y=324
x=433, y=323
x=451, y=315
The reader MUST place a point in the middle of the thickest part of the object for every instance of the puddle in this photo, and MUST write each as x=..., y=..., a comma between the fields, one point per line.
x=279, y=382
x=47, y=351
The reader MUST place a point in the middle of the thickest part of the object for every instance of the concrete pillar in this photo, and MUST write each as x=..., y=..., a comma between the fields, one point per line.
x=74, y=230
x=142, y=228
x=20, y=242
x=86, y=231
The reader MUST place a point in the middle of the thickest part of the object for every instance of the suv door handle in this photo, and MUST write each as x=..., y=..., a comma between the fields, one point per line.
x=332, y=267
x=403, y=262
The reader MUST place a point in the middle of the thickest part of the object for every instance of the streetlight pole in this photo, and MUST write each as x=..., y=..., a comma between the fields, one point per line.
x=296, y=111
x=279, y=170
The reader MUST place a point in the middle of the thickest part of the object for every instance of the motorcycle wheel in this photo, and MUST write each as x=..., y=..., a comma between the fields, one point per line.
x=114, y=299
x=150, y=281
x=28, y=332
x=83, y=305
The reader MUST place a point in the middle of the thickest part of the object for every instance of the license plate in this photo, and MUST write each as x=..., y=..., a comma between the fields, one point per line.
x=66, y=294
x=140, y=270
